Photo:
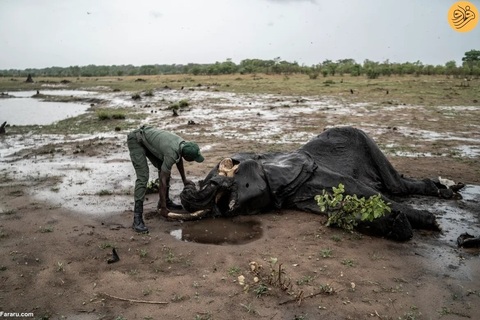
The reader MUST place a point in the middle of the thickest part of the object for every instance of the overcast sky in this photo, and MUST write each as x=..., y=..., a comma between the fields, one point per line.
x=45, y=33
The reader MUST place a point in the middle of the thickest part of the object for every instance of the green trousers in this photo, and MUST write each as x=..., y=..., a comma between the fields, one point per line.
x=138, y=156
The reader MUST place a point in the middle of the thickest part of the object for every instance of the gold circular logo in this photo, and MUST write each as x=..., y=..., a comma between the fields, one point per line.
x=463, y=16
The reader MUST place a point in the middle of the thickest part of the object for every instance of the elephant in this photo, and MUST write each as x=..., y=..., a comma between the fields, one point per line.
x=254, y=183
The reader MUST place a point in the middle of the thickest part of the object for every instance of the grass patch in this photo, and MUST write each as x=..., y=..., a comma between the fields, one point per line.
x=233, y=271
x=336, y=238
x=170, y=256
x=348, y=262
x=432, y=90
x=106, y=245
x=143, y=253
x=326, y=253
x=304, y=280
x=104, y=114
x=260, y=290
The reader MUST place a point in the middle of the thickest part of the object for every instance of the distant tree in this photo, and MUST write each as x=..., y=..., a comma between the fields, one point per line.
x=345, y=66
x=471, y=56
x=476, y=71
x=227, y=67
x=356, y=70
x=451, y=67
x=471, y=60
x=372, y=69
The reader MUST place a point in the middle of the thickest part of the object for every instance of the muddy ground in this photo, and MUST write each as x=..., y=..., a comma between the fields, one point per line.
x=66, y=201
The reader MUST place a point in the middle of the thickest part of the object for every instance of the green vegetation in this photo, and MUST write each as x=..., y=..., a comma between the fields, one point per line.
x=304, y=280
x=336, y=238
x=143, y=253
x=234, y=271
x=260, y=290
x=431, y=90
x=372, y=69
x=106, y=245
x=170, y=256
x=348, y=262
x=344, y=211
x=326, y=253
x=178, y=105
x=104, y=114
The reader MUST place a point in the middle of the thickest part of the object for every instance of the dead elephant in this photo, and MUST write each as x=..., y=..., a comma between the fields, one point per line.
x=248, y=183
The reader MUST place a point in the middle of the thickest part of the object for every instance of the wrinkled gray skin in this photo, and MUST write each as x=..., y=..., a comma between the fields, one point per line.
x=346, y=155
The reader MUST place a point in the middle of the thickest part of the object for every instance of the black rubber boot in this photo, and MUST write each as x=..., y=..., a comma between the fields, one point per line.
x=170, y=204
x=138, y=224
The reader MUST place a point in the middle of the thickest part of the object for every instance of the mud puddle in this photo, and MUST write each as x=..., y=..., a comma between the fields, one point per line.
x=440, y=250
x=219, y=231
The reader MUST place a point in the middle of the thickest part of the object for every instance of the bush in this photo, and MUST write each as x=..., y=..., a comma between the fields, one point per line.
x=344, y=211
x=183, y=103
x=107, y=115
x=178, y=105
x=372, y=73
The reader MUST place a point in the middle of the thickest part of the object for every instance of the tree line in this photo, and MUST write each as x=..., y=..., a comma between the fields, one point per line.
x=470, y=67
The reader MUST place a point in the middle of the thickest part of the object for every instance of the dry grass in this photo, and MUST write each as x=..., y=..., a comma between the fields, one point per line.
x=424, y=90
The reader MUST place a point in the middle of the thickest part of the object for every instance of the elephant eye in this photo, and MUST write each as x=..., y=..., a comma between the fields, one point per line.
x=247, y=185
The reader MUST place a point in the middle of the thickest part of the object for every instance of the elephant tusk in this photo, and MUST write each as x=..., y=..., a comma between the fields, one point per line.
x=188, y=216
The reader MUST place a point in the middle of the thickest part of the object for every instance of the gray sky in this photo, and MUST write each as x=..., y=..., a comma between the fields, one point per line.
x=45, y=33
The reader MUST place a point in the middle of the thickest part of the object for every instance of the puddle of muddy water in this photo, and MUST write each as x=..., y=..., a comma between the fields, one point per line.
x=460, y=216
x=219, y=231
x=25, y=110
x=455, y=217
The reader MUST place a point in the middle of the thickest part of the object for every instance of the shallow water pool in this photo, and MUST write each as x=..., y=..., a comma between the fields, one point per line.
x=22, y=109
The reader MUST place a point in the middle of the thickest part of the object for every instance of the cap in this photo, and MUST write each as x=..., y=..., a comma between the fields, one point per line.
x=191, y=152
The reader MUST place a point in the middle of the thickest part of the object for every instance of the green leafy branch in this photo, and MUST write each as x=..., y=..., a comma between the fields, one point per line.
x=344, y=211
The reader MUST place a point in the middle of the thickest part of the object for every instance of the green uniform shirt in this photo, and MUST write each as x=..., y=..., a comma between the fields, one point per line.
x=164, y=145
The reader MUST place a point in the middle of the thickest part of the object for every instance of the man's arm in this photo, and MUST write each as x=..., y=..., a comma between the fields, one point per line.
x=162, y=192
x=182, y=173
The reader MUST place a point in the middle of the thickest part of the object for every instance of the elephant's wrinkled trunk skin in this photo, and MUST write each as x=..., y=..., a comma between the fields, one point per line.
x=214, y=198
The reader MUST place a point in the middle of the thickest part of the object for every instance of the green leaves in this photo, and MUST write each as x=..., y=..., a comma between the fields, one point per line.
x=344, y=211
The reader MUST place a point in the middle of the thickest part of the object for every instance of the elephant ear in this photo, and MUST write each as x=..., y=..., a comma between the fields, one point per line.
x=251, y=192
x=286, y=173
